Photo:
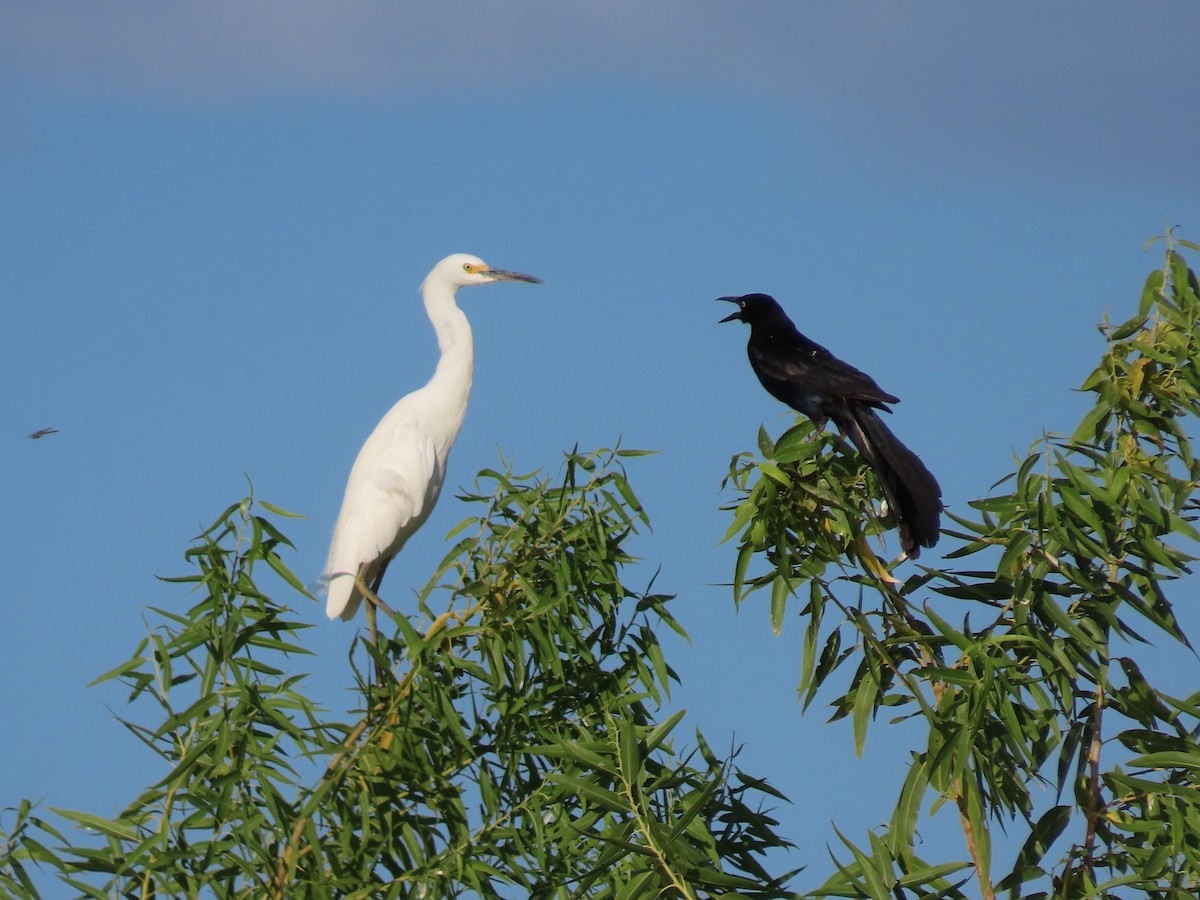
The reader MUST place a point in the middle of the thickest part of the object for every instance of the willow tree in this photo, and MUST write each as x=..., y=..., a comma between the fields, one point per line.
x=510, y=745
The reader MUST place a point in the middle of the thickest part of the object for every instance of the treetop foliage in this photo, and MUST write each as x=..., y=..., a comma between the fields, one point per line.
x=510, y=745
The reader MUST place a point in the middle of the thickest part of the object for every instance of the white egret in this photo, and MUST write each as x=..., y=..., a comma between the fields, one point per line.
x=399, y=472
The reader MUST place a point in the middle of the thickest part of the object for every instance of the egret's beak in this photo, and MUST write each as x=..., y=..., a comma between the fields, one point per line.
x=736, y=315
x=502, y=275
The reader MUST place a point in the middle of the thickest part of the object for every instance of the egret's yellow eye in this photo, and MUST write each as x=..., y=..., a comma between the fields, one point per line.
x=468, y=267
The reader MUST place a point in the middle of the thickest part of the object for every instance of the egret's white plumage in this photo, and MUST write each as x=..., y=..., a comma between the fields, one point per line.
x=399, y=471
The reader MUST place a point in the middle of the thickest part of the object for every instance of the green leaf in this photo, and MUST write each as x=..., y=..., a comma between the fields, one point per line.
x=631, y=760
x=908, y=806
x=115, y=828
x=742, y=516
x=607, y=799
x=774, y=472
x=1092, y=424
x=279, y=511
x=865, y=697
x=765, y=445
x=1168, y=760
x=812, y=634
x=1012, y=561
x=876, y=872
x=780, y=590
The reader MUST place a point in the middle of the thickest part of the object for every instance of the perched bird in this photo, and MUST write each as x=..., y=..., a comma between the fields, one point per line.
x=399, y=471
x=811, y=380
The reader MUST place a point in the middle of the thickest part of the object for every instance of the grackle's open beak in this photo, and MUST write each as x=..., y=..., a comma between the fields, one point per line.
x=737, y=314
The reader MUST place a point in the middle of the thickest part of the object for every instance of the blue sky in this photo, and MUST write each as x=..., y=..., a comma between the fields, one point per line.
x=215, y=217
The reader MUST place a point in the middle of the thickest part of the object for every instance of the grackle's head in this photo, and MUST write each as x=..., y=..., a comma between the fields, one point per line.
x=755, y=309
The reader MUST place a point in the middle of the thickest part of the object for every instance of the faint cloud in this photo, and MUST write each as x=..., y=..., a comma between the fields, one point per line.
x=227, y=48
x=1055, y=88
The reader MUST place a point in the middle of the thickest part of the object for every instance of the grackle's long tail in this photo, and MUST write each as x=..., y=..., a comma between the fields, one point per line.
x=913, y=495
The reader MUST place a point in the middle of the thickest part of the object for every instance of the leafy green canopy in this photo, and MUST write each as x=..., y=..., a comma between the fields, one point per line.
x=509, y=749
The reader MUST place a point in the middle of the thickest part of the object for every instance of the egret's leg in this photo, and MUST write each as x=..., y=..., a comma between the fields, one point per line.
x=372, y=601
x=372, y=633
x=369, y=591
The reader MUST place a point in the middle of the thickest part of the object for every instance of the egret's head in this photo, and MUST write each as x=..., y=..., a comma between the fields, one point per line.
x=462, y=269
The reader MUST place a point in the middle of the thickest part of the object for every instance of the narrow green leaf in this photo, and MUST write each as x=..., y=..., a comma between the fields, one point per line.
x=279, y=511
x=908, y=806
x=870, y=868
x=765, y=446
x=1169, y=759
x=774, y=472
x=593, y=792
x=631, y=759
x=780, y=589
x=865, y=695
x=112, y=827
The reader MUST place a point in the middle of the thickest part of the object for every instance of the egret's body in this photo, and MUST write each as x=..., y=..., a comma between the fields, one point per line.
x=399, y=472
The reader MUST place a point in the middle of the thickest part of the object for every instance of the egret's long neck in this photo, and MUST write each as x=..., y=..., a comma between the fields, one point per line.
x=452, y=379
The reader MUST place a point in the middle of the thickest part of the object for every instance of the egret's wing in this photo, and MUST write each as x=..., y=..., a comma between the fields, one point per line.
x=391, y=490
